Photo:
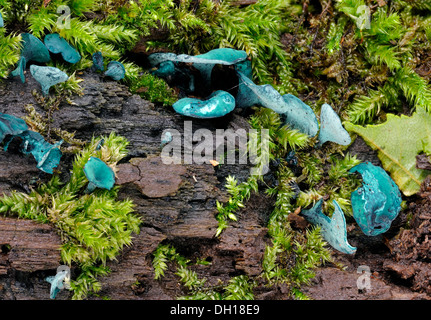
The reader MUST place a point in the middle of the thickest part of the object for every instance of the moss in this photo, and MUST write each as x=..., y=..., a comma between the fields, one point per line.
x=239, y=193
x=237, y=288
x=10, y=47
x=362, y=57
x=195, y=27
x=153, y=89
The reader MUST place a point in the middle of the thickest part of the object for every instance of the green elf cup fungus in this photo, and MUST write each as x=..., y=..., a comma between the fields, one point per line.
x=166, y=138
x=165, y=69
x=58, y=282
x=98, y=61
x=333, y=229
x=245, y=68
x=46, y=155
x=157, y=58
x=203, y=62
x=99, y=175
x=331, y=128
x=115, y=70
x=32, y=50
x=246, y=96
x=224, y=56
x=219, y=104
x=182, y=78
x=1, y=21
x=47, y=77
x=20, y=69
x=206, y=62
x=11, y=126
x=297, y=114
x=377, y=203
x=57, y=44
x=300, y=116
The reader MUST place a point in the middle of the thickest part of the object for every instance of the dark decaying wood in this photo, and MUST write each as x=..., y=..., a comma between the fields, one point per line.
x=27, y=246
x=177, y=204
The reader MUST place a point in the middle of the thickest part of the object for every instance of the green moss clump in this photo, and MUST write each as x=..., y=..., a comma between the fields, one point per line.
x=237, y=288
x=153, y=89
x=364, y=57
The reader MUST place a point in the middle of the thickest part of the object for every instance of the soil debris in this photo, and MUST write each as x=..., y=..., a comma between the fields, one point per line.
x=411, y=248
x=423, y=162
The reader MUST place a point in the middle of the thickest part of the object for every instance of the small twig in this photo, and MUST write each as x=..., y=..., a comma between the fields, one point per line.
x=317, y=28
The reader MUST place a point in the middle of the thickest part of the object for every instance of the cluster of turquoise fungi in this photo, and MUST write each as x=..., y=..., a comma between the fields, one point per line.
x=47, y=155
x=58, y=282
x=298, y=115
x=37, y=51
x=115, y=70
x=375, y=205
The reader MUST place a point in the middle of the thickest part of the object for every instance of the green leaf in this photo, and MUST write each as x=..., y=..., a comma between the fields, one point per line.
x=398, y=141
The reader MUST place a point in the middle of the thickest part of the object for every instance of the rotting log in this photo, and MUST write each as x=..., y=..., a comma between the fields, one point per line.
x=27, y=246
x=177, y=203
x=179, y=208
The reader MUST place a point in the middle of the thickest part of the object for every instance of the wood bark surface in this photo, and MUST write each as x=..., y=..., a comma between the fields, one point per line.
x=177, y=205
x=177, y=202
